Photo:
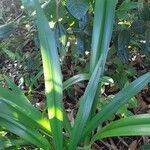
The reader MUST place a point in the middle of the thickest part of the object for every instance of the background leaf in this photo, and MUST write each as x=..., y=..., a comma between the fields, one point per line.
x=6, y=30
x=77, y=8
x=123, y=41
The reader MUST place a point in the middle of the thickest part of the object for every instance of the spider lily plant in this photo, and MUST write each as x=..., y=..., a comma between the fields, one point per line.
x=54, y=131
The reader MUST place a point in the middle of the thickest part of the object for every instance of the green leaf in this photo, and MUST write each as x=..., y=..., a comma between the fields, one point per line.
x=133, y=130
x=145, y=147
x=20, y=101
x=147, y=37
x=50, y=10
x=119, y=100
x=132, y=120
x=101, y=37
x=61, y=38
x=6, y=30
x=75, y=79
x=15, y=88
x=10, y=54
x=20, y=114
x=123, y=41
x=77, y=8
x=85, y=106
x=9, y=143
x=52, y=75
x=36, y=77
x=134, y=125
x=127, y=5
x=102, y=30
x=122, y=11
x=82, y=77
x=27, y=134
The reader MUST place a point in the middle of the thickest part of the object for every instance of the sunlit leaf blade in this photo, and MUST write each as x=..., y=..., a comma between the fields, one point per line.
x=102, y=29
x=27, y=134
x=101, y=37
x=85, y=106
x=9, y=143
x=52, y=75
x=120, y=99
x=25, y=105
x=6, y=30
x=133, y=130
x=133, y=121
x=20, y=114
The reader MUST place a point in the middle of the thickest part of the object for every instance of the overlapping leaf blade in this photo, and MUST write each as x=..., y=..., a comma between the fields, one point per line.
x=102, y=29
x=133, y=130
x=134, y=125
x=21, y=103
x=52, y=75
x=85, y=107
x=27, y=134
x=132, y=120
x=121, y=98
x=14, y=111
x=101, y=38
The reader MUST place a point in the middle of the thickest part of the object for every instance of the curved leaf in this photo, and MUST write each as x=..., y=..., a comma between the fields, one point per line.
x=137, y=122
x=134, y=130
x=23, y=103
x=27, y=134
x=120, y=99
x=75, y=79
x=19, y=114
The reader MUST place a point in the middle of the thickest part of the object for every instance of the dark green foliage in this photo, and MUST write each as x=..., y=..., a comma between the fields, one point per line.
x=78, y=8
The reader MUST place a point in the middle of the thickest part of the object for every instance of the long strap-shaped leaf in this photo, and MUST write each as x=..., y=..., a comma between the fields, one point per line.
x=121, y=98
x=82, y=77
x=102, y=30
x=108, y=8
x=52, y=75
x=14, y=111
x=134, y=125
x=21, y=101
x=27, y=134
x=85, y=107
